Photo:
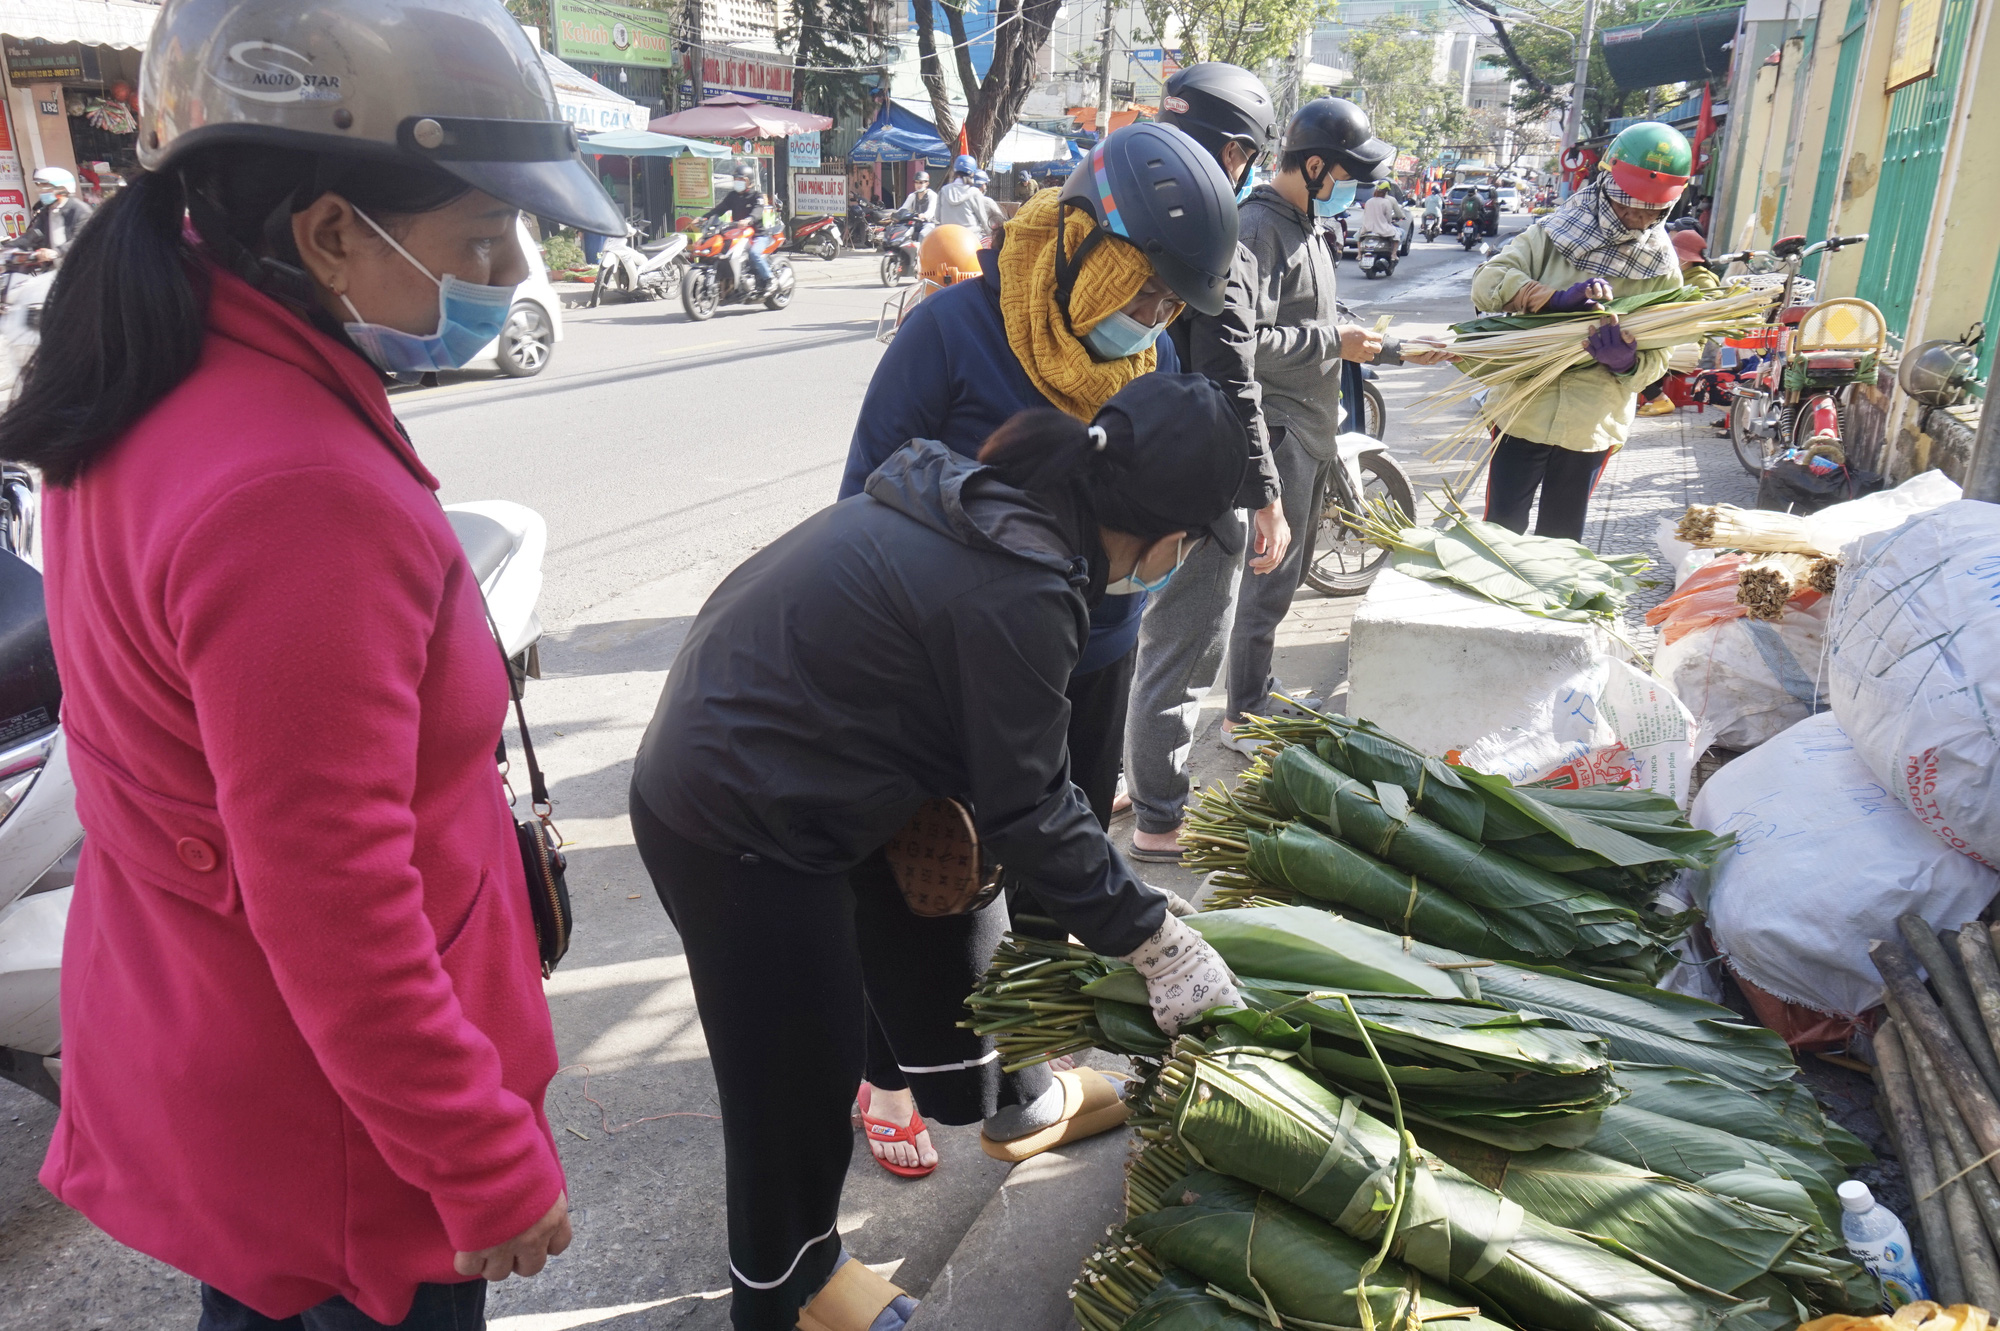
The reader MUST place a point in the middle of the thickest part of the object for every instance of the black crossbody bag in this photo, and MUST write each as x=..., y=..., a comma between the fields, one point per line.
x=541, y=845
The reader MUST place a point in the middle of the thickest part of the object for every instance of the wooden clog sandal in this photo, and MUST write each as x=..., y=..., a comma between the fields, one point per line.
x=850, y=1300
x=1090, y=1106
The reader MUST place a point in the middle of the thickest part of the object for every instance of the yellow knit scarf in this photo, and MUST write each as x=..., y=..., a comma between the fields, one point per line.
x=1059, y=364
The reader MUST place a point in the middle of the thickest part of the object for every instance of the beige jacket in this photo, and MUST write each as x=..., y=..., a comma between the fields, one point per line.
x=1589, y=409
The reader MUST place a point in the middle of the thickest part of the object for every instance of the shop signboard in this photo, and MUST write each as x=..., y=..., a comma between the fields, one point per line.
x=13, y=182
x=822, y=195
x=694, y=189
x=611, y=34
x=1914, y=53
x=803, y=150
x=768, y=78
x=32, y=60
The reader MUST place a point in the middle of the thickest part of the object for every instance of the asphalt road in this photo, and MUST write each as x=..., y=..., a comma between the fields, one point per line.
x=662, y=452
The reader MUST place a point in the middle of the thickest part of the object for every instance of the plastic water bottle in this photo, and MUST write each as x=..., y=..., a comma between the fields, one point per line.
x=1877, y=1237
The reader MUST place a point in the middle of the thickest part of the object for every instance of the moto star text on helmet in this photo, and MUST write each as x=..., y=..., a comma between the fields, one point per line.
x=454, y=84
x=1158, y=190
x=1650, y=162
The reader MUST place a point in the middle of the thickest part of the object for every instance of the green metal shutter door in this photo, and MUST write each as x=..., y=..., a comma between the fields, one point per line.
x=1920, y=117
x=1834, y=150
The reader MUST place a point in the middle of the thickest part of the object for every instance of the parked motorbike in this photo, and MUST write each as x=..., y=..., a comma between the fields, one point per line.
x=1377, y=255
x=20, y=511
x=900, y=243
x=41, y=839
x=720, y=276
x=816, y=235
x=628, y=267
x=865, y=223
x=1361, y=475
x=1814, y=356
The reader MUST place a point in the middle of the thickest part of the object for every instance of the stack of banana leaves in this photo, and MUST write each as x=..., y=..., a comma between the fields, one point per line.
x=1662, y=1166
x=1338, y=813
x=1264, y=1198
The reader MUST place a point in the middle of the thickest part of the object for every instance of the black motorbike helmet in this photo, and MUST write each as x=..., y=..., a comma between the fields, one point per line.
x=1159, y=190
x=1338, y=131
x=1214, y=104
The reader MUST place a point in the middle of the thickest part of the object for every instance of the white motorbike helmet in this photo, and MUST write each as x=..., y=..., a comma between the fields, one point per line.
x=452, y=83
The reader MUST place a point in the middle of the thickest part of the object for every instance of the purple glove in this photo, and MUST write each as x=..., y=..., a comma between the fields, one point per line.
x=1607, y=343
x=1571, y=299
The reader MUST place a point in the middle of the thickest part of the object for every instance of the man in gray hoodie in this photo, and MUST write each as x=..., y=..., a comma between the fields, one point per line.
x=1329, y=147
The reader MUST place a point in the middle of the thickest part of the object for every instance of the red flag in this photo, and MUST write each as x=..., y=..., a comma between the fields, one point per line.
x=1705, y=126
x=963, y=150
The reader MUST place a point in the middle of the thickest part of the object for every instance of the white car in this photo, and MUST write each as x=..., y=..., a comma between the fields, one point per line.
x=1510, y=200
x=534, y=325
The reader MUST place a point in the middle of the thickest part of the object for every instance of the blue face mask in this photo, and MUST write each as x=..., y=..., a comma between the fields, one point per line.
x=1120, y=335
x=1336, y=202
x=470, y=316
x=46, y=197
x=1131, y=582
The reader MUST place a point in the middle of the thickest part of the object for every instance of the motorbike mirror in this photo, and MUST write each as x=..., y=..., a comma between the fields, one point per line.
x=1487, y=250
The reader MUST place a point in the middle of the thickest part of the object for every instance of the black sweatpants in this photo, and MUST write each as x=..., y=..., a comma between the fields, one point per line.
x=1564, y=476
x=459, y=1307
x=784, y=966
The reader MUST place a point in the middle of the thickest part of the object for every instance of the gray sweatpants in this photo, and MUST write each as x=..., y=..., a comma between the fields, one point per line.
x=1181, y=642
x=1265, y=600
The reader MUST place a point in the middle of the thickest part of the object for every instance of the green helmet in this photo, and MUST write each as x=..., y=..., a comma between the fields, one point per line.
x=1650, y=161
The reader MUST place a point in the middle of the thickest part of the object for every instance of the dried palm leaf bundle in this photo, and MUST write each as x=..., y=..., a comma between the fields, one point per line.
x=1727, y=527
x=1767, y=582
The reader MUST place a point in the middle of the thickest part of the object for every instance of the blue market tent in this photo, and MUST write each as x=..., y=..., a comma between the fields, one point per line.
x=898, y=136
x=645, y=143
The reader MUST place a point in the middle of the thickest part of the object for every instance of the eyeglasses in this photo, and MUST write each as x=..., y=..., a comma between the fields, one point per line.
x=1155, y=299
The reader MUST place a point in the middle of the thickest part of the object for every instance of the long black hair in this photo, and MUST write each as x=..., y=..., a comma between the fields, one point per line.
x=126, y=317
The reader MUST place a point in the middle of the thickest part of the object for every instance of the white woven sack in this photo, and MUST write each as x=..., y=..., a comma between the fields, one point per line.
x=1747, y=679
x=1913, y=668
x=1825, y=860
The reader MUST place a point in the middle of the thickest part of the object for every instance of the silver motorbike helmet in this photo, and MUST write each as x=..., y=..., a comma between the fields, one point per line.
x=455, y=84
x=1939, y=373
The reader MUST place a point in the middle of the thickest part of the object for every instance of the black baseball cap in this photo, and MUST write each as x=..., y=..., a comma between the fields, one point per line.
x=1178, y=453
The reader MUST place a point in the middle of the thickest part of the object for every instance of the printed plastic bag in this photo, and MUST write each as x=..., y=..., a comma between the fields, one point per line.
x=1913, y=668
x=1825, y=860
x=1608, y=724
x=1746, y=680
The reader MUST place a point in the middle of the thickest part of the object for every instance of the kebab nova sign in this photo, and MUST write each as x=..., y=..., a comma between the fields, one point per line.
x=611, y=34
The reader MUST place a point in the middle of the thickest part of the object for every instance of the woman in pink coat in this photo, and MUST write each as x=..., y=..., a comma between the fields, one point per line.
x=305, y=1044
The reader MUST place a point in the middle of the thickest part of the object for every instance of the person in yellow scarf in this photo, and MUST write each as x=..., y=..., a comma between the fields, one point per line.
x=1147, y=225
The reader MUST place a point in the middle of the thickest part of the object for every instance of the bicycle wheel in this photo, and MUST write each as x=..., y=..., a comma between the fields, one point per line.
x=1343, y=564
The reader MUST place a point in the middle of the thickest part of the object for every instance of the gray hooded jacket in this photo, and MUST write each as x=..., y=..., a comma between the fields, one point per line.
x=909, y=642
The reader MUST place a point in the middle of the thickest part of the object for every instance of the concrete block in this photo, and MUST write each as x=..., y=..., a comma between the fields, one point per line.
x=1014, y=1266
x=1439, y=668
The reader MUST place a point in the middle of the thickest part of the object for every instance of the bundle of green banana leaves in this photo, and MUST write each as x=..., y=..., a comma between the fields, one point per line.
x=1347, y=1001
x=1302, y=823
x=1265, y=1122
x=1257, y=1255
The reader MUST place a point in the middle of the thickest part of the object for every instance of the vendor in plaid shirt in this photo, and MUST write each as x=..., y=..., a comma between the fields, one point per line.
x=1605, y=243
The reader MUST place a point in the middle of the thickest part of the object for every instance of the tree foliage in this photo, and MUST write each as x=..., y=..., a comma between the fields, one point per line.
x=993, y=103
x=1544, y=61
x=831, y=45
x=1241, y=32
x=1391, y=65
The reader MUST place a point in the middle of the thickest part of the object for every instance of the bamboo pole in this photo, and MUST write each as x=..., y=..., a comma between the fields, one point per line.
x=1982, y=972
x=1955, y=1069
x=1985, y=1192
x=1913, y=1147
x=1976, y=1263
x=1954, y=996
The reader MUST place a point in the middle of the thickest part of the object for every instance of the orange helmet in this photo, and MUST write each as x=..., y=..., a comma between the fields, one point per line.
x=949, y=254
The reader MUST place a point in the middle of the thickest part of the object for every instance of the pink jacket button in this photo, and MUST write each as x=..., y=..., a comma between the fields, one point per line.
x=196, y=854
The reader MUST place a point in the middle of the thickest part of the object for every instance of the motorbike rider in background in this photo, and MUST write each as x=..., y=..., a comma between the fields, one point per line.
x=960, y=203
x=746, y=203
x=923, y=199
x=58, y=216
x=1383, y=214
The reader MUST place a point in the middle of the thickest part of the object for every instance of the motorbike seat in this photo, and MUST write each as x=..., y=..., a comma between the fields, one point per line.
x=487, y=543
x=654, y=247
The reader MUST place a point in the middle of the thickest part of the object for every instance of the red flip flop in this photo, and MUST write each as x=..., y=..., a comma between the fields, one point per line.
x=881, y=1130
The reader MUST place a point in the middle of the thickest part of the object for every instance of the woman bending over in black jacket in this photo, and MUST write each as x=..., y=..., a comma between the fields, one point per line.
x=903, y=645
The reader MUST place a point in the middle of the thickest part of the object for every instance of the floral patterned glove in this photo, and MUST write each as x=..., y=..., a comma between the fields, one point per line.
x=1184, y=977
